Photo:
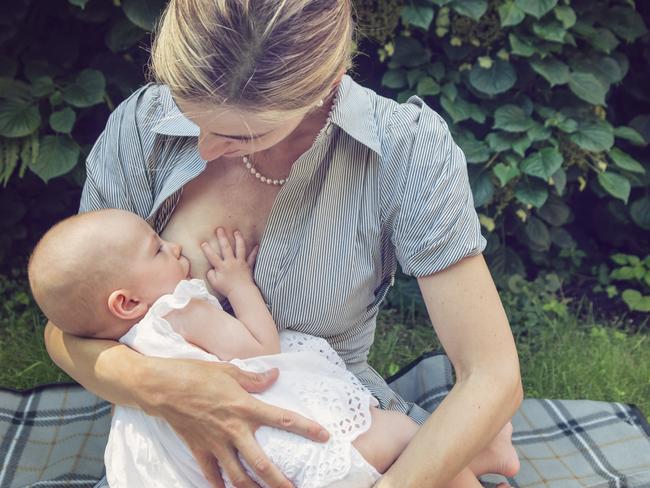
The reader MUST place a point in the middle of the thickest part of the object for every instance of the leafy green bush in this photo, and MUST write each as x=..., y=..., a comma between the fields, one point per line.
x=64, y=65
x=532, y=89
x=529, y=90
x=634, y=272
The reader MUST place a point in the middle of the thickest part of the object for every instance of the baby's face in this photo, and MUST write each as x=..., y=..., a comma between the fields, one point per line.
x=155, y=265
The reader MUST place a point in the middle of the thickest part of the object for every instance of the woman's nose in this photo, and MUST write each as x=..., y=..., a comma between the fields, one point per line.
x=211, y=147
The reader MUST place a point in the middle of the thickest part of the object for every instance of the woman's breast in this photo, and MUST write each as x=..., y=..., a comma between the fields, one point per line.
x=208, y=203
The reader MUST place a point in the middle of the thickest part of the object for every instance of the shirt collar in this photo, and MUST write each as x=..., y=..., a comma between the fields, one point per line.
x=352, y=112
x=173, y=122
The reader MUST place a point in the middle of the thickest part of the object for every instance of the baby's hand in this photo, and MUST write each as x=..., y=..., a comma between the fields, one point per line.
x=230, y=269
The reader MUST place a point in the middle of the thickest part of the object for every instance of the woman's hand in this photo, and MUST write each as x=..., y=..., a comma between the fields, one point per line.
x=209, y=407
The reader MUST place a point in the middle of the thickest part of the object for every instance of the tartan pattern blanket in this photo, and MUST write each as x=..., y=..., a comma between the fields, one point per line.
x=54, y=435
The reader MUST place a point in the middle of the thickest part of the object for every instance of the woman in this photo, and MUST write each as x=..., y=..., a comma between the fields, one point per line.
x=255, y=127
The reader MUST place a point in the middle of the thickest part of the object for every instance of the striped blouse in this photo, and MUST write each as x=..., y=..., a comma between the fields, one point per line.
x=383, y=183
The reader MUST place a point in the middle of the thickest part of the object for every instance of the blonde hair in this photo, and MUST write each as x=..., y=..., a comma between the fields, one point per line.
x=268, y=57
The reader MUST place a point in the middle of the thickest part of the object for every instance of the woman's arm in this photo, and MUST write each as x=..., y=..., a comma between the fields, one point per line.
x=207, y=404
x=467, y=314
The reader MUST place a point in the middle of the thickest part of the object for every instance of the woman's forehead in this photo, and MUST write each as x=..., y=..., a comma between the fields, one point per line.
x=229, y=121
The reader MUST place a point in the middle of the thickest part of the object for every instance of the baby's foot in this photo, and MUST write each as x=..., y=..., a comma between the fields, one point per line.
x=499, y=457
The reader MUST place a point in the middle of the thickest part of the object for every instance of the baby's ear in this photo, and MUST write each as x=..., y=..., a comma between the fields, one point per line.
x=123, y=305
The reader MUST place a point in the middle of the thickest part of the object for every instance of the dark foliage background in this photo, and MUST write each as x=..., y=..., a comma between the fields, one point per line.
x=549, y=100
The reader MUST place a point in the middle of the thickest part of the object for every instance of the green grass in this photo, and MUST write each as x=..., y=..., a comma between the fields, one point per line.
x=561, y=355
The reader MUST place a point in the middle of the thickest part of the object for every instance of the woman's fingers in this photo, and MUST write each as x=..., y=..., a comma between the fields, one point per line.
x=254, y=382
x=224, y=244
x=209, y=467
x=234, y=470
x=255, y=457
x=290, y=421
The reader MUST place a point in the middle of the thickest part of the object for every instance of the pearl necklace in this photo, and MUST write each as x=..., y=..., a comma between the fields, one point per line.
x=259, y=176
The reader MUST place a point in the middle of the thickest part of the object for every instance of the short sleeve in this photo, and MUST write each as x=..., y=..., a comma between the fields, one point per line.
x=426, y=192
x=116, y=168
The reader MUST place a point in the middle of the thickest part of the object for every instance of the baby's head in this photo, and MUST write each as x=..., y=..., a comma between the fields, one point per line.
x=96, y=274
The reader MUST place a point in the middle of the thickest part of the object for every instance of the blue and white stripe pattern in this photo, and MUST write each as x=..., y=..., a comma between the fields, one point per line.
x=383, y=183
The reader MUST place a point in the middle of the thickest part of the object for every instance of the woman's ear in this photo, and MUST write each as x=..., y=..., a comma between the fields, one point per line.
x=123, y=305
x=339, y=77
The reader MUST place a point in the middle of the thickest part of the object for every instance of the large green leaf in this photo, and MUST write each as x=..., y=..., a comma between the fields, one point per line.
x=605, y=68
x=587, y=87
x=409, y=52
x=542, y=164
x=482, y=187
x=531, y=192
x=427, y=86
x=561, y=238
x=521, y=47
x=63, y=120
x=625, y=161
x=630, y=134
x=510, y=14
x=505, y=173
x=505, y=263
x=42, y=86
x=57, y=156
x=538, y=132
x=86, y=90
x=470, y=8
x=559, y=181
x=640, y=212
x=555, y=211
x=566, y=15
x=636, y=301
x=625, y=22
x=143, y=13
x=536, y=8
x=460, y=110
x=122, y=35
x=538, y=234
x=14, y=89
x=616, y=185
x=499, y=78
x=512, y=118
x=475, y=151
x=18, y=118
x=600, y=38
x=504, y=141
x=641, y=124
x=394, y=78
x=418, y=15
x=554, y=71
x=594, y=136
x=550, y=30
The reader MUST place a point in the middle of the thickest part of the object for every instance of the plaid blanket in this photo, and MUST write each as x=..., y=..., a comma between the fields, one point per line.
x=54, y=435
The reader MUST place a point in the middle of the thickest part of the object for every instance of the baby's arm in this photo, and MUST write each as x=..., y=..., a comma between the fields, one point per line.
x=215, y=331
x=231, y=275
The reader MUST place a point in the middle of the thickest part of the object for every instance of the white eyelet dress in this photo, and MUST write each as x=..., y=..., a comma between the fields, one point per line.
x=145, y=451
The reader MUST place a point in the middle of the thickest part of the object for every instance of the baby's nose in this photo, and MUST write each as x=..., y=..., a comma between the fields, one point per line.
x=177, y=248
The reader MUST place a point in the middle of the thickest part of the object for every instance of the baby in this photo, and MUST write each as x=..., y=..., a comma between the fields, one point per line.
x=107, y=274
